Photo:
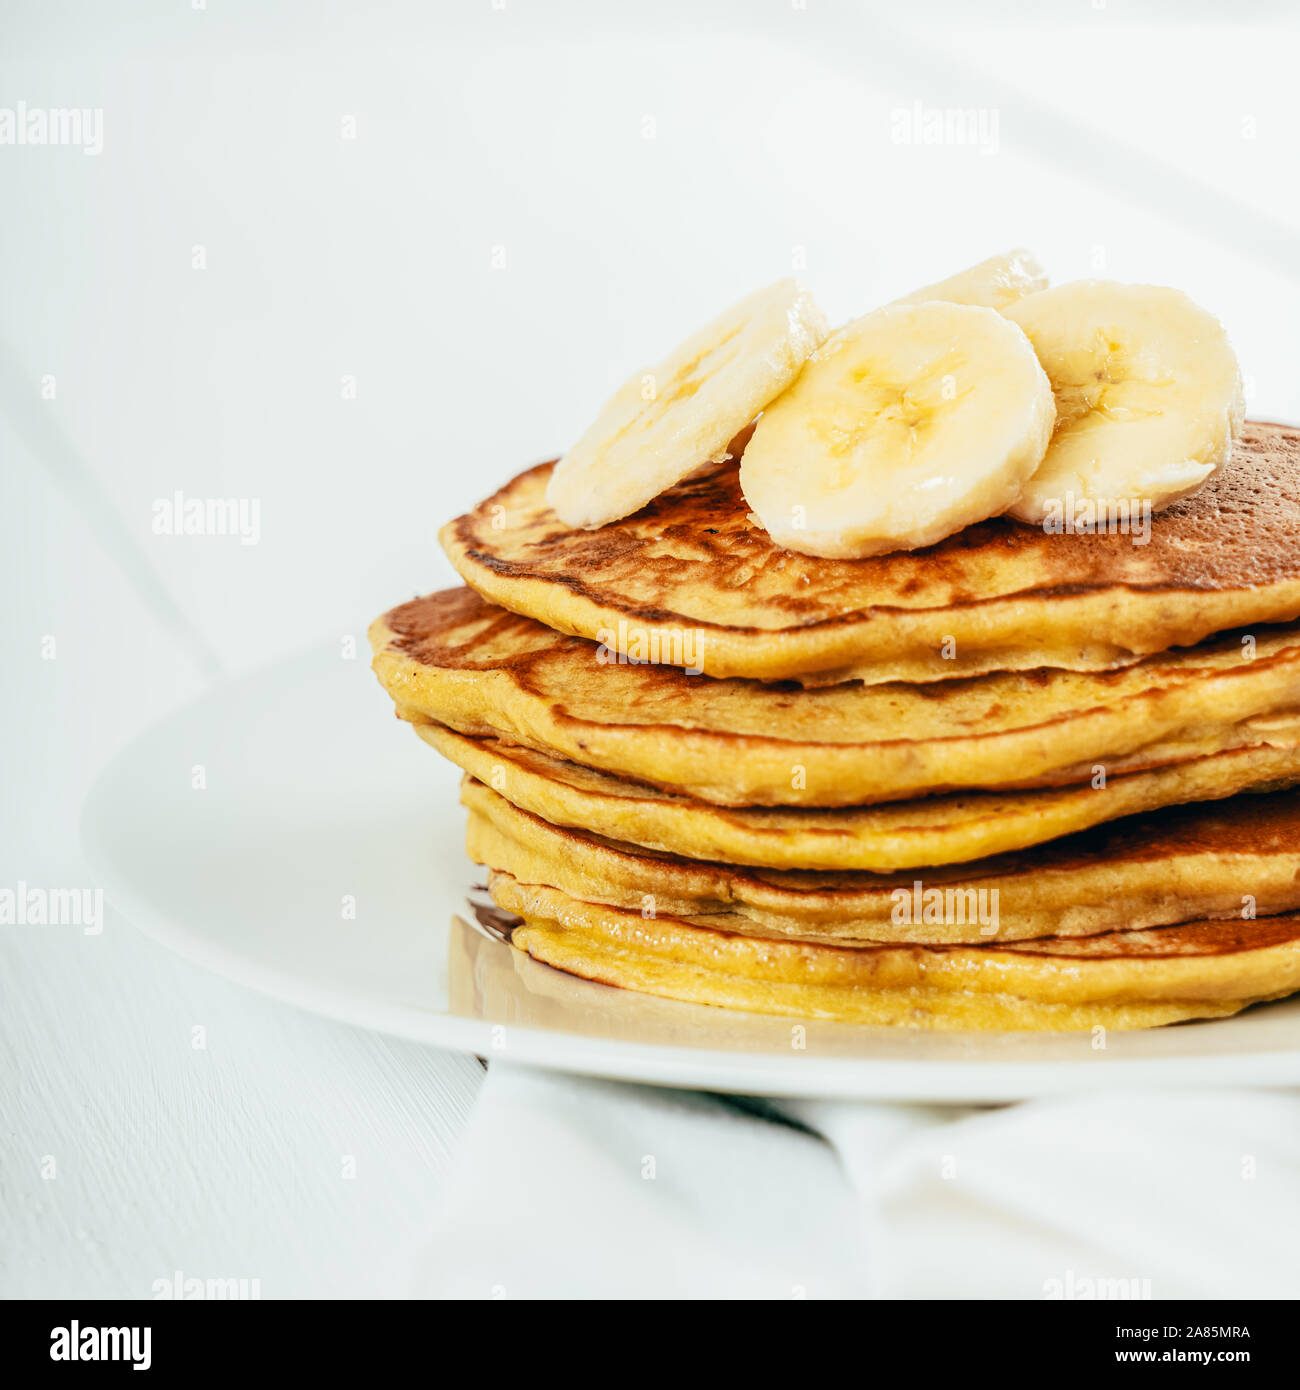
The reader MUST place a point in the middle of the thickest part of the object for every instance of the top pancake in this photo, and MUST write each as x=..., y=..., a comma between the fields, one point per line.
x=691, y=580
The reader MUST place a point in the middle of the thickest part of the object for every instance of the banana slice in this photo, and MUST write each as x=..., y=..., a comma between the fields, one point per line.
x=1148, y=395
x=903, y=427
x=994, y=283
x=663, y=424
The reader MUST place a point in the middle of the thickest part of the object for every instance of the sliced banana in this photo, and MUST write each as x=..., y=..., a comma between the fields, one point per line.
x=1148, y=395
x=994, y=283
x=903, y=427
x=665, y=423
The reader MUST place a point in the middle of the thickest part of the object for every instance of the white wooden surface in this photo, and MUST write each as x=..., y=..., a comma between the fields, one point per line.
x=286, y=1148
x=533, y=199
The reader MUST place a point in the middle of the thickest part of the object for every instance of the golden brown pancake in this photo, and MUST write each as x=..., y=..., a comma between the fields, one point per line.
x=693, y=577
x=1188, y=863
x=456, y=659
x=1132, y=979
x=895, y=835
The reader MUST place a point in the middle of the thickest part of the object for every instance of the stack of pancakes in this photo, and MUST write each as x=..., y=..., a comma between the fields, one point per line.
x=1014, y=780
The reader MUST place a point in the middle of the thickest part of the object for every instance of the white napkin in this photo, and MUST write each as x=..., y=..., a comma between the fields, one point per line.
x=568, y=1187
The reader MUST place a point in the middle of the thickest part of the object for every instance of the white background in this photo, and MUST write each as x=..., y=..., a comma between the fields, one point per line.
x=485, y=217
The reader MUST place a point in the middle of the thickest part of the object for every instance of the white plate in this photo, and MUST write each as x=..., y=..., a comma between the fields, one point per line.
x=316, y=795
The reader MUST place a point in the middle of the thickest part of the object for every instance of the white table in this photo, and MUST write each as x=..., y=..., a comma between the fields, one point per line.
x=287, y=1149
x=291, y=1150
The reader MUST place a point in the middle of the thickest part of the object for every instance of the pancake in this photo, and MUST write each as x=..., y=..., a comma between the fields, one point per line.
x=692, y=579
x=1133, y=979
x=896, y=835
x=458, y=660
x=1180, y=864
